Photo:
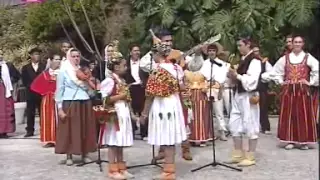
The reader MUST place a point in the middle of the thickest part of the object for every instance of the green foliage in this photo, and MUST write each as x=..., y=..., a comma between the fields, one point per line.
x=14, y=40
x=194, y=21
x=43, y=23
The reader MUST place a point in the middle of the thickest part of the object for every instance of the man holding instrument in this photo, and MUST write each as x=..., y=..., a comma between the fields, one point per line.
x=147, y=63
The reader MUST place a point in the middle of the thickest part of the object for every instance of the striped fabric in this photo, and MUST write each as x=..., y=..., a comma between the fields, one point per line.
x=48, y=119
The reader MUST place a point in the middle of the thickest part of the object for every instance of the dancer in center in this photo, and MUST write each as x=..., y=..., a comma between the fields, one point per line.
x=118, y=129
x=166, y=119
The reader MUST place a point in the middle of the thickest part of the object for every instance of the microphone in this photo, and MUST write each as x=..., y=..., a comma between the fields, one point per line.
x=215, y=62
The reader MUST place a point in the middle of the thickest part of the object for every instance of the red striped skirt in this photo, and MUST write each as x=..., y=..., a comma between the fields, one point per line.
x=48, y=119
x=315, y=102
x=200, y=125
x=7, y=114
x=297, y=123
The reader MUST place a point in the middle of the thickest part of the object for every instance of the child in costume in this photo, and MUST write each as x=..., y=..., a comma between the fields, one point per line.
x=118, y=128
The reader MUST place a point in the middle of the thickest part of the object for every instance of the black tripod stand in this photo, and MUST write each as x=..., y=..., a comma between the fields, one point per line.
x=97, y=100
x=211, y=99
x=98, y=161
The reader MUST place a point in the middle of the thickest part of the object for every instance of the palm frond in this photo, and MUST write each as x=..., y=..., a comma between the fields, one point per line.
x=300, y=13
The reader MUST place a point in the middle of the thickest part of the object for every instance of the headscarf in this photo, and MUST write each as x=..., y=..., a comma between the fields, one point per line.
x=71, y=68
x=106, y=52
x=115, y=45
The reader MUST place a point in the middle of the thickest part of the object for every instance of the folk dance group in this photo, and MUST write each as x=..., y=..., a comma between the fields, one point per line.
x=168, y=96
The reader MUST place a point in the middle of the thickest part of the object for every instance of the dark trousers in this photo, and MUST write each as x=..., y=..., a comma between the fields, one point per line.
x=33, y=103
x=138, y=97
x=263, y=104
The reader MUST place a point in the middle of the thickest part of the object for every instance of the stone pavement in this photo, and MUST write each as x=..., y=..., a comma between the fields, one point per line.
x=25, y=159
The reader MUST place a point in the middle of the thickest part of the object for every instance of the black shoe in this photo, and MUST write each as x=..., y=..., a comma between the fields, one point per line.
x=4, y=136
x=29, y=134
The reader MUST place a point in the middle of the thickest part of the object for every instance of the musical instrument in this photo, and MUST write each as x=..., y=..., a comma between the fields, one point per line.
x=178, y=56
x=254, y=99
x=83, y=73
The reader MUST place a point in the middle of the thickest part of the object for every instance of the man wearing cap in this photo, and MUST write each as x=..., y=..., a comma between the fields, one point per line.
x=29, y=72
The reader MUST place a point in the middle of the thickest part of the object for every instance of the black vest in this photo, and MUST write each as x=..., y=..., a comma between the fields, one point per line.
x=262, y=87
x=243, y=68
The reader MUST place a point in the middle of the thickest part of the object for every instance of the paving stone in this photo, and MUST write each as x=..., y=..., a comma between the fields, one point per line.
x=25, y=159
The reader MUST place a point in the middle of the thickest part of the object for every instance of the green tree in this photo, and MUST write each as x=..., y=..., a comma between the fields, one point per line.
x=43, y=20
x=194, y=21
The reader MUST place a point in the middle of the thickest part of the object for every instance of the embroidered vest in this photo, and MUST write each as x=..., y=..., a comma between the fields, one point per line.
x=296, y=72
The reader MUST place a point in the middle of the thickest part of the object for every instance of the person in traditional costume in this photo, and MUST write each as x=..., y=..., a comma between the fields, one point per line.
x=227, y=90
x=65, y=46
x=45, y=85
x=28, y=73
x=263, y=93
x=200, y=129
x=76, y=129
x=8, y=76
x=219, y=77
x=296, y=72
x=166, y=117
x=244, y=117
x=137, y=89
x=147, y=64
x=101, y=71
x=289, y=46
x=118, y=129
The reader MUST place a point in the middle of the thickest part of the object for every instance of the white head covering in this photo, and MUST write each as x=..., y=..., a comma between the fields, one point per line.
x=71, y=69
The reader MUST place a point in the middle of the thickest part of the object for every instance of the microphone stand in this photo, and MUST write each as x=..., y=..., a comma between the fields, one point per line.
x=211, y=99
x=153, y=161
x=97, y=97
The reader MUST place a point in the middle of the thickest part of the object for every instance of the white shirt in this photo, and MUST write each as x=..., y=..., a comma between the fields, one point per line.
x=250, y=79
x=135, y=71
x=219, y=74
x=35, y=66
x=278, y=71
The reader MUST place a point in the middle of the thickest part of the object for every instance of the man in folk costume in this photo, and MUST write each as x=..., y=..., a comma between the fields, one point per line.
x=137, y=89
x=45, y=85
x=64, y=47
x=166, y=118
x=244, y=117
x=263, y=93
x=28, y=73
x=147, y=64
x=296, y=72
x=288, y=47
x=8, y=76
x=219, y=77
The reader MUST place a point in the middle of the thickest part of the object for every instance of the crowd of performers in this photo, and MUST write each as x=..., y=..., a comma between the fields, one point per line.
x=165, y=94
